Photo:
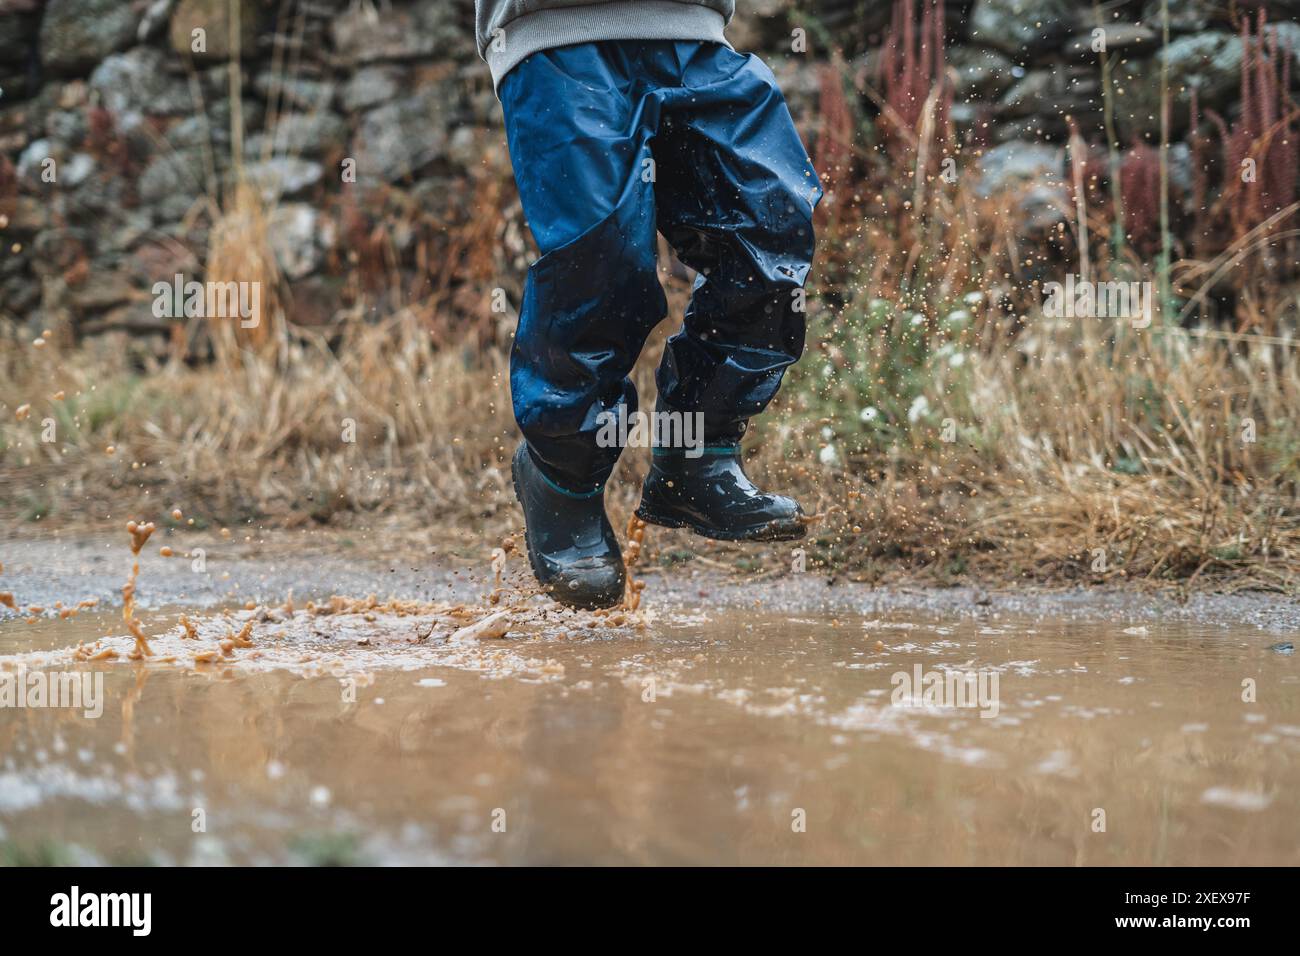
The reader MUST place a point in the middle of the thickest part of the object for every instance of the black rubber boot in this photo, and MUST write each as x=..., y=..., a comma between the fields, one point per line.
x=571, y=545
x=714, y=497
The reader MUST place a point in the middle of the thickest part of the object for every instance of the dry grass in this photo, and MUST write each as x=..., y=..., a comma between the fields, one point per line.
x=1067, y=441
x=383, y=421
x=1079, y=456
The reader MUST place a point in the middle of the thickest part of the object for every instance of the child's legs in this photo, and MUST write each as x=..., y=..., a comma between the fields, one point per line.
x=736, y=196
x=579, y=124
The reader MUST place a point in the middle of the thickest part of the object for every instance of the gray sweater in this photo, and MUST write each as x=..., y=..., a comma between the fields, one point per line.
x=509, y=30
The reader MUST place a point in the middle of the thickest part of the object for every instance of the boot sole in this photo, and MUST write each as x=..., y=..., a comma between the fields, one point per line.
x=781, y=530
x=551, y=590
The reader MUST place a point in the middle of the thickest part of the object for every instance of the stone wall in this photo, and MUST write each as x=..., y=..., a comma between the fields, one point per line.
x=117, y=155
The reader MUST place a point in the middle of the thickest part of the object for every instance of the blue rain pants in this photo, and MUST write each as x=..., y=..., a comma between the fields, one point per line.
x=615, y=140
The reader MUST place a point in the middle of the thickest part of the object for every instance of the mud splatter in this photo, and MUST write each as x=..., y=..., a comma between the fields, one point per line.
x=635, y=540
x=139, y=535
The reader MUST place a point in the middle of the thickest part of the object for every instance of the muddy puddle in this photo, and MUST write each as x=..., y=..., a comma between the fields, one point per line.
x=369, y=730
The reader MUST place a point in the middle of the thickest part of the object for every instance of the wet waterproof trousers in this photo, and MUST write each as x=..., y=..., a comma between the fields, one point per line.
x=612, y=142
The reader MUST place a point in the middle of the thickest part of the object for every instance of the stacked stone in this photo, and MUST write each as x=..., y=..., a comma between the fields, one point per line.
x=117, y=155
x=366, y=117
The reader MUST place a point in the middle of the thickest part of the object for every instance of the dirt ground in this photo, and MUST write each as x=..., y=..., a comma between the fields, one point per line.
x=266, y=566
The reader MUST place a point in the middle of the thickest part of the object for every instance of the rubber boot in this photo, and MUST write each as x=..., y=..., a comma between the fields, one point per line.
x=571, y=545
x=712, y=495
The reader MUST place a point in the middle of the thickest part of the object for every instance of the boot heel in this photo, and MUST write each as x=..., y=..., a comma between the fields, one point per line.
x=650, y=516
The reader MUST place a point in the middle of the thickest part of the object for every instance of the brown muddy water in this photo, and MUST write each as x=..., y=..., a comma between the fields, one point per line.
x=701, y=729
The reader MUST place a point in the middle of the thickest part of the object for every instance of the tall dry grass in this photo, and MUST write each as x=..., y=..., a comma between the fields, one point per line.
x=1081, y=453
x=379, y=421
x=1077, y=452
